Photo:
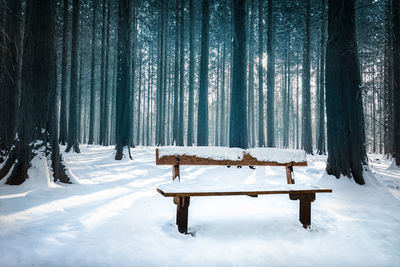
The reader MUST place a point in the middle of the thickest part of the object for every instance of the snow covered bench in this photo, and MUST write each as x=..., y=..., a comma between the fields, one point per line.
x=181, y=192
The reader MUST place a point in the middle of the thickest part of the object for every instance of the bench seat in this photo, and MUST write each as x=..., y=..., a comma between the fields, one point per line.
x=181, y=192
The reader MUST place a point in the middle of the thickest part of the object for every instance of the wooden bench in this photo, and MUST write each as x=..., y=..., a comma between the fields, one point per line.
x=253, y=157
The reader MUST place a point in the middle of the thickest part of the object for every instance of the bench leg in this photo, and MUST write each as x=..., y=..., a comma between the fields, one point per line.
x=182, y=209
x=305, y=207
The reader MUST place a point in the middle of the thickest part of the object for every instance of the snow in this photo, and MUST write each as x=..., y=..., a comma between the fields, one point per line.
x=115, y=217
x=204, y=186
x=225, y=153
x=209, y=152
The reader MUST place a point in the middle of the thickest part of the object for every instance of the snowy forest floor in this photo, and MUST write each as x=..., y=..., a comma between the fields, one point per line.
x=115, y=217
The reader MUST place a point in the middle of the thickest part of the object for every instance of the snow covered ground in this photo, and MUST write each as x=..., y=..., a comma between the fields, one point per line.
x=115, y=217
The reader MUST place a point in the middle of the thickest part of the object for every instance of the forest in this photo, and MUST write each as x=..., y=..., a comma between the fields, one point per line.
x=92, y=92
x=316, y=75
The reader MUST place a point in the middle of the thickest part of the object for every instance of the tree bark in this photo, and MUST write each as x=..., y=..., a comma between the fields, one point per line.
x=270, y=76
x=73, y=103
x=202, y=114
x=238, y=119
x=10, y=87
x=190, y=133
x=396, y=76
x=37, y=127
x=345, y=122
x=181, y=77
x=306, y=103
x=64, y=72
x=321, y=96
x=261, y=137
x=92, y=77
x=123, y=78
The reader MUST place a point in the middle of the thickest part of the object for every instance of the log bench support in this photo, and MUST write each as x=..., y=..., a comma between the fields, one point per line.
x=305, y=207
x=182, y=210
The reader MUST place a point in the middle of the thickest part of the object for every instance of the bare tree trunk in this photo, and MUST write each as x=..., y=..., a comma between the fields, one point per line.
x=270, y=76
x=64, y=72
x=73, y=103
x=92, y=77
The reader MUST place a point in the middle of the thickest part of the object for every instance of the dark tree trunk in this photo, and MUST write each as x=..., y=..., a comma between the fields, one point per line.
x=396, y=80
x=106, y=81
x=223, y=127
x=10, y=87
x=139, y=113
x=175, y=127
x=306, y=103
x=321, y=96
x=270, y=76
x=261, y=137
x=181, y=126
x=238, y=118
x=92, y=77
x=73, y=103
x=250, y=100
x=346, y=149
x=64, y=72
x=123, y=78
x=37, y=127
x=190, y=133
x=202, y=114
x=286, y=94
x=102, y=73
x=388, y=78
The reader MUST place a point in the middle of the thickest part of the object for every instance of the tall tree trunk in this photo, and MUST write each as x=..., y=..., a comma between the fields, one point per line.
x=261, y=137
x=250, y=100
x=388, y=95
x=139, y=112
x=346, y=148
x=175, y=127
x=270, y=76
x=80, y=93
x=37, y=127
x=181, y=126
x=222, y=123
x=190, y=128
x=102, y=73
x=321, y=96
x=286, y=118
x=202, y=114
x=123, y=78
x=64, y=72
x=92, y=77
x=73, y=103
x=10, y=87
x=106, y=81
x=306, y=103
x=396, y=76
x=238, y=118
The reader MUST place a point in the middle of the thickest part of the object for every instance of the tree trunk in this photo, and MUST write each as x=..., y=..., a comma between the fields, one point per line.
x=10, y=87
x=37, y=141
x=106, y=81
x=190, y=133
x=181, y=78
x=202, y=114
x=238, y=118
x=321, y=96
x=102, y=73
x=396, y=76
x=270, y=76
x=64, y=72
x=261, y=137
x=250, y=100
x=306, y=103
x=123, y=78
x=92, y=77
x=388, y=94
x=345, y=123
x=73, y=103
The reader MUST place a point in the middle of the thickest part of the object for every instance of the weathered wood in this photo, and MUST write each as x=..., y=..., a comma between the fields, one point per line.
x=247, y=160
x=304, y=207
x=294, y=194
x=176, y=173
x=289, y=177
x=182, y=210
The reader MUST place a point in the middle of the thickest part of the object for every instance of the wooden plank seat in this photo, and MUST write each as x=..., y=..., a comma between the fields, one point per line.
x=181, y=192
